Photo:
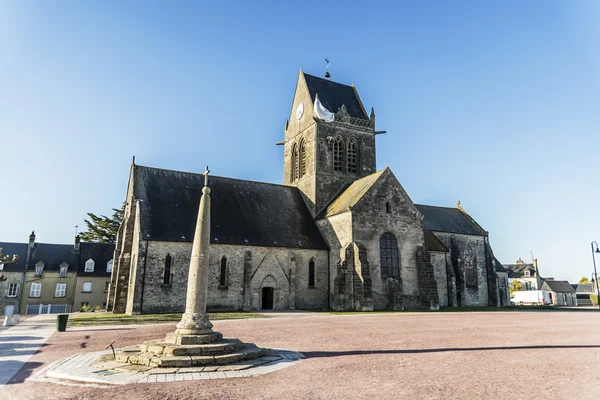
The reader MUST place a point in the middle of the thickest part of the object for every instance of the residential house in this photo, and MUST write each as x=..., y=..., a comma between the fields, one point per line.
x=583, y=291
x=10, y=289
x=54, y=278
x=561, y=292
x=526, y=273
x=503, y=289
x=93, y=279
x=50, y=278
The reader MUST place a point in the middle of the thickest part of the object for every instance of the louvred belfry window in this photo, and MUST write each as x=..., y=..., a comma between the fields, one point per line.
x=295, y=161
x=338, y=151
x=352, y=156
x=302, y=158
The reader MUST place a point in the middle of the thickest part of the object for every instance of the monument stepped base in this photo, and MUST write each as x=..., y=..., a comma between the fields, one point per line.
x=181, y=351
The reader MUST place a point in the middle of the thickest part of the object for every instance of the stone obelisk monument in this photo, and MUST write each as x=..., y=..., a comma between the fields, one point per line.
x=193, y=343
x=195, y=320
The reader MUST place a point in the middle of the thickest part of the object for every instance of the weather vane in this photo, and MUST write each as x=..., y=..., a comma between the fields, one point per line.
x=327, y=74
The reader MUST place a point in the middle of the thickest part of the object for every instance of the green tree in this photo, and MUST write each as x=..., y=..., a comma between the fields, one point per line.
x=515, y=286
x=103, y=229
x=7, y=259
x=584, y=280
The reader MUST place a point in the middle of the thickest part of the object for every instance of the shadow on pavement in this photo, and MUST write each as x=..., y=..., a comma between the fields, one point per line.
x=317, y=354
x=9, y=338
x=84, y=329
x=24, y=371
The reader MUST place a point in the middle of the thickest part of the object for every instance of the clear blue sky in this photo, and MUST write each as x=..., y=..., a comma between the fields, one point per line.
x=493, y=103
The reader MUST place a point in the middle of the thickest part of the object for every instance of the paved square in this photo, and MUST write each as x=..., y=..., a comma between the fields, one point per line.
x=545, y=355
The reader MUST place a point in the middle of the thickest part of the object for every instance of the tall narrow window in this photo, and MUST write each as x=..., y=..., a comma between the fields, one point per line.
x=63, y=270
x=61, y=290
x=388, y=207
x=109, y=266
x=388, y=256
x=352, y=156
x=223, y=272
x=338, y=149
x=302, y=158
x=167, y=276
x=35, y=290
x=311, y=273
x=12, y=290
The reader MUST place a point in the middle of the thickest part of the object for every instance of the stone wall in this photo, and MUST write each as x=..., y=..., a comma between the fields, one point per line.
x=438, y=260
x=471, y=283
x=370, y=220
x=12, y=277
x=285, y=270
x=427, y=283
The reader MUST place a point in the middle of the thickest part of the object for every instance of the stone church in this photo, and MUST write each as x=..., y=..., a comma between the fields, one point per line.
x=338, y=233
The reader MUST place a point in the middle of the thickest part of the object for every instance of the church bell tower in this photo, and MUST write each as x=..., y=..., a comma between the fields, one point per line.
x=329, y=140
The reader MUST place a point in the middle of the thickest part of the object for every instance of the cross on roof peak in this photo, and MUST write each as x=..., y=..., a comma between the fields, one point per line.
x=206, y=172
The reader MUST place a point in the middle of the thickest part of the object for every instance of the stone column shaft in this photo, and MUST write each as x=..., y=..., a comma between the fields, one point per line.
x=195, y=320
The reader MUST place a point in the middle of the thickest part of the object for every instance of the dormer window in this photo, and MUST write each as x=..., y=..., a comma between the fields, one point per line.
x=527, y=274
x=64, y=267
x=39, y=269
x=109, y=266
x=89, y=265
x=1, y=266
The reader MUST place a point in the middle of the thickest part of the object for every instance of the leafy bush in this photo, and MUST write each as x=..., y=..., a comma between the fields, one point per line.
x=84, y=308
x=594, y=299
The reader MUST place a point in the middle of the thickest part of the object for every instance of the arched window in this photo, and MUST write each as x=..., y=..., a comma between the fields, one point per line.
x=388, y=255
x=352, y=154
x=311, y=273
x=302, y=158
x=338, y=149
x=295, y=161
x=223, y=272
x=167, y=275
x=470, y=266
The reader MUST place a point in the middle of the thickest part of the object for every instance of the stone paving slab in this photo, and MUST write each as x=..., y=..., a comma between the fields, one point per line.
x=18, y=343
x=85, y=370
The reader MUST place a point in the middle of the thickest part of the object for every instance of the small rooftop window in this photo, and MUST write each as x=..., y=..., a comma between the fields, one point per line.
x=89, y=265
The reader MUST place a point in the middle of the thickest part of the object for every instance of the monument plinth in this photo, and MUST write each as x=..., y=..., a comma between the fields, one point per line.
x=193, y=343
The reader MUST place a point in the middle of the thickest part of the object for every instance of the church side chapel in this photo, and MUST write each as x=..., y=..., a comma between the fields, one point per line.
x=337, y=234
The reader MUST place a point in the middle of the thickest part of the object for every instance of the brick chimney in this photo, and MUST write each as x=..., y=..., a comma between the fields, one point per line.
x=77, y=243
x=32, y=239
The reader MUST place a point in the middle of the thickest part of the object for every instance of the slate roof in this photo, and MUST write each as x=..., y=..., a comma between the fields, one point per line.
x=12, y=249
x=558, y=286
x=242, y=212
x=498, y=266
x=518, y=270
x=432, y=243
x=53, y=255
x=101, y=253
x=351, y=195
x=332, y=95
x=451, y=220
x=584, y=287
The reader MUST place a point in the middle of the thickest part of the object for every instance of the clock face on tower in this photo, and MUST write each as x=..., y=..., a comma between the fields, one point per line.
x=299, y=111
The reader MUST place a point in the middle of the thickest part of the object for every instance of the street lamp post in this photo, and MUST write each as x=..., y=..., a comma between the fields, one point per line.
x=595, y=273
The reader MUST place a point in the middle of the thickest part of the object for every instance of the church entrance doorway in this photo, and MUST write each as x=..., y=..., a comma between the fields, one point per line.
x=267, y=298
